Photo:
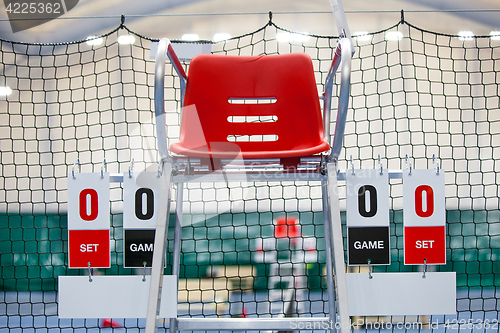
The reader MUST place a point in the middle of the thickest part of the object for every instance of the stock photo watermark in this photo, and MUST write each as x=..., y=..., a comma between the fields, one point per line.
x=377, y=325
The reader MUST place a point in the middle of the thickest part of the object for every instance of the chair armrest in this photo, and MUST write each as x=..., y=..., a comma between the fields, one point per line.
x=343, y=56
x=327, y=94
x=164, y=49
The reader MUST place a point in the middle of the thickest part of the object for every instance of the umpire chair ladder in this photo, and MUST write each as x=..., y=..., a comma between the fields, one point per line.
x=282, y=87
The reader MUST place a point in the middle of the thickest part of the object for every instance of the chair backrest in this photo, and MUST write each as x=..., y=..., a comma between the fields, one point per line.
x=257, y=106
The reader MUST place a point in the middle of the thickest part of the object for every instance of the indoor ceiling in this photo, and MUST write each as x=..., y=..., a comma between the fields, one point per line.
x=174, y=18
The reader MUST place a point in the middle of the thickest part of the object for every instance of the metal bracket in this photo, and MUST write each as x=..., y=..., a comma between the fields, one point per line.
x=407, y=164
x=160, y=169
x=90, y=272
x=370, y=276
x=380, y=165
x=435, y=163
x=73, y=169
x=130, y=168
x=104, y=167
x=425, y=268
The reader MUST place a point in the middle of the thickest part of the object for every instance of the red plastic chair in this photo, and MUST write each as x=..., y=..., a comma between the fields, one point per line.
x=218, y=84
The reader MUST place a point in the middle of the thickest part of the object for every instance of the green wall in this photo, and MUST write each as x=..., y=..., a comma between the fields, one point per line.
x=33, y=248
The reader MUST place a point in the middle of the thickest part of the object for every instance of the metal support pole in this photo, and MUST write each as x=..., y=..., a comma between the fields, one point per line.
x=338, y=249
x=176, y=257
x=328, y=254
x=159, y=250
x=340, y=19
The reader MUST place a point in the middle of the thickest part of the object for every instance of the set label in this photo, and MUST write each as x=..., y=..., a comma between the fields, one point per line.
x=425, y=243
x=89, y=246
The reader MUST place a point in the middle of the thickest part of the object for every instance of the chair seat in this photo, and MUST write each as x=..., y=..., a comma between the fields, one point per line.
x=251, y=107
x=225, y=151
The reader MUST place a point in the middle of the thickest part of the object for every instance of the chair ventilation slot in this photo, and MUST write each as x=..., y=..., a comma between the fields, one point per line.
x=252, y=138
x=252, y=119
x=252, y=100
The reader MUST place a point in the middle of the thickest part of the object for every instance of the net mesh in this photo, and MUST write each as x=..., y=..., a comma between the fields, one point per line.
x=414, y=93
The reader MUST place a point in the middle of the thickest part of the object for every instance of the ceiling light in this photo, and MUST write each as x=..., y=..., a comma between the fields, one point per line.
x=126, y=39
x=190, y=37
x=94, y=40
x=221, y=36
x=288, y=37
x=5, y=91
x=495, y=35
x=394, y=35
x=465, y=35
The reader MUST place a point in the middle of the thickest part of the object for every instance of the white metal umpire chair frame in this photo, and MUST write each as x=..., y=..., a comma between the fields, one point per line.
x=318, y=168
